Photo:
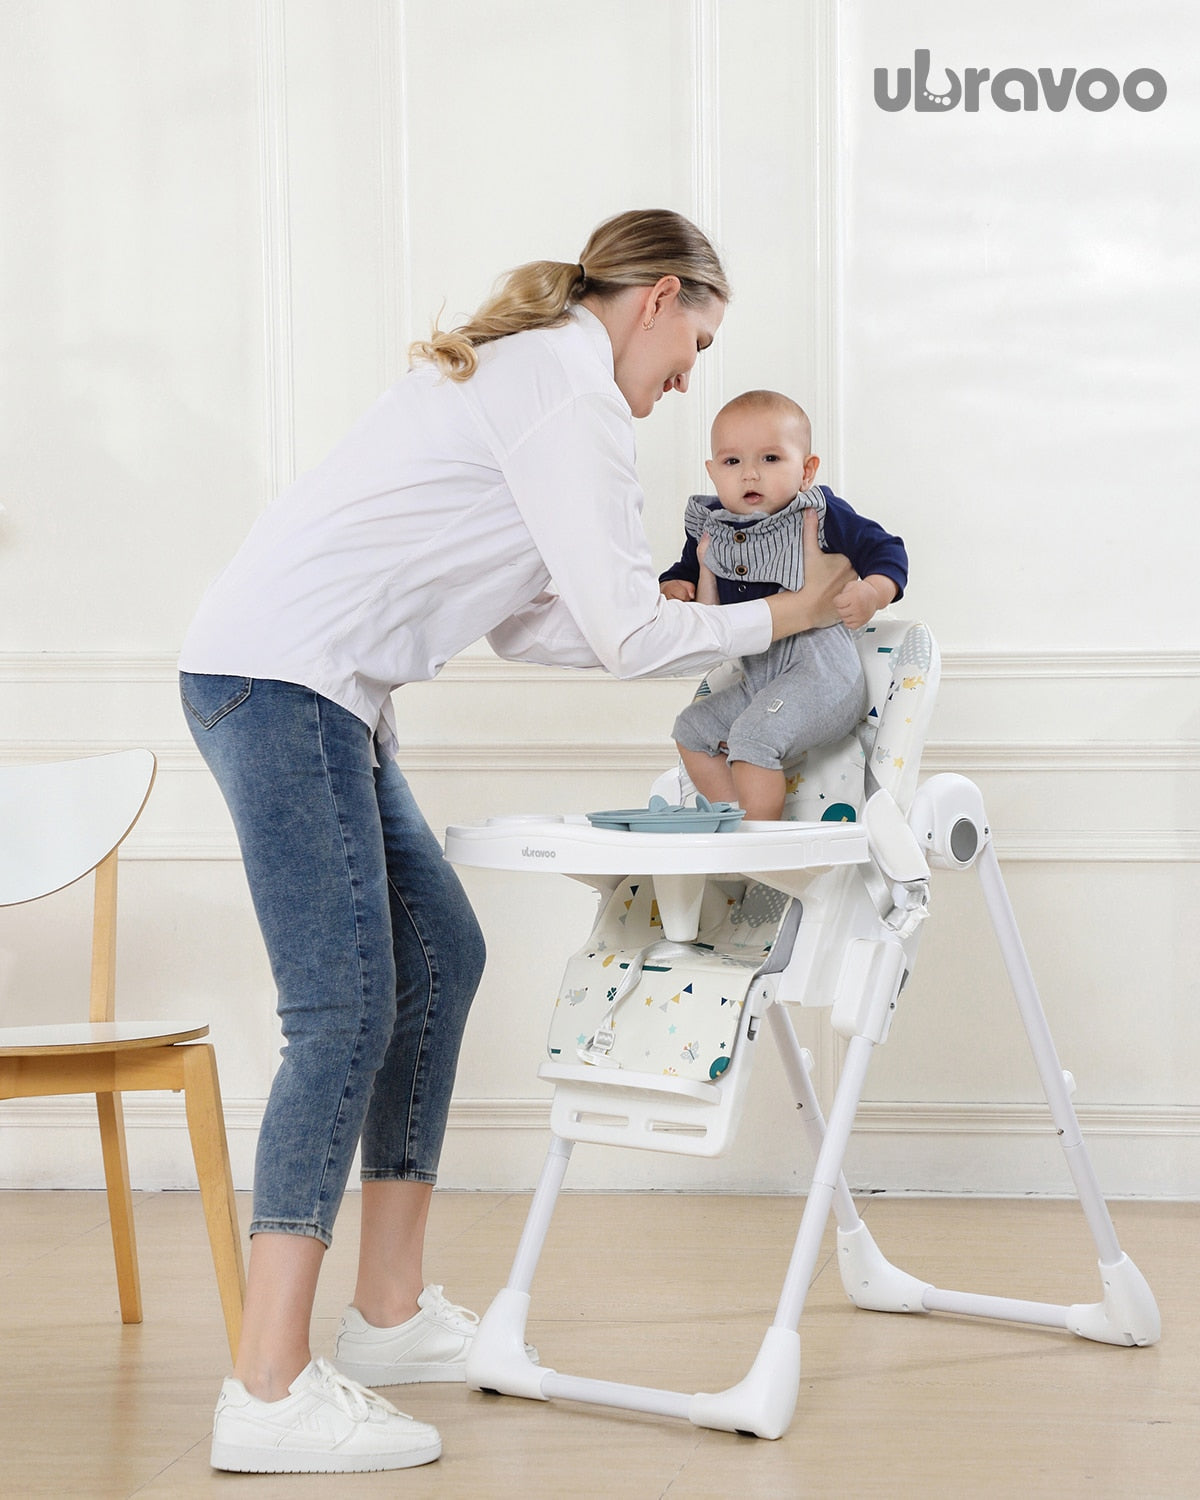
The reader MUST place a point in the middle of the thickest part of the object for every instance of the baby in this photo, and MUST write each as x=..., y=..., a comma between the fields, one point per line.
x=746, y=543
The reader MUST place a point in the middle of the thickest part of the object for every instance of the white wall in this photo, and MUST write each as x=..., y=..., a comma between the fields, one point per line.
x=224, y=223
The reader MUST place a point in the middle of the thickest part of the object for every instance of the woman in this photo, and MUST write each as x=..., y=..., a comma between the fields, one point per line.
x=502, y=463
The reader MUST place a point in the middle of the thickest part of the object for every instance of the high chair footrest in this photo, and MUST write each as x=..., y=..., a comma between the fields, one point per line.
x=625, y=1078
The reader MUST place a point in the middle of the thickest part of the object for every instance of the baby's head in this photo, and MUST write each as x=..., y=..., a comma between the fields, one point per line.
x=761, y=458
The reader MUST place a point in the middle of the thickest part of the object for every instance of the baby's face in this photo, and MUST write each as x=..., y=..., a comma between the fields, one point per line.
x=760, y=462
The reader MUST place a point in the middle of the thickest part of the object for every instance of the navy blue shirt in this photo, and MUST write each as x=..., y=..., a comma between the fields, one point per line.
x=868, y=546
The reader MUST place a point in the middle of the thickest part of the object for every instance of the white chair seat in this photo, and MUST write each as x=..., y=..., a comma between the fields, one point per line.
x=96, y=1036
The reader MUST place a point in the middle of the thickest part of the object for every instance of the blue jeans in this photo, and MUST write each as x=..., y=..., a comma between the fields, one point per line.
x=374, y=947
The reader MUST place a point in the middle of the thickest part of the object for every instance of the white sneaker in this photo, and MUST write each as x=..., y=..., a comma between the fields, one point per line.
x=430, y=1346
x=327, y=1425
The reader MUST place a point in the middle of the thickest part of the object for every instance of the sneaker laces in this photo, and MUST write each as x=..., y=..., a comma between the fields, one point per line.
x=436, y=1304
x=358, y=1402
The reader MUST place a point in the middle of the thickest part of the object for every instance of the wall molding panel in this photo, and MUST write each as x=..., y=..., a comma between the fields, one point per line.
x=706, y=173
x=824, y=125
x=276, y=246
x=969, y=757
x=51, y=667
x=534, y=756
x=395, y=293
x=897, y=1149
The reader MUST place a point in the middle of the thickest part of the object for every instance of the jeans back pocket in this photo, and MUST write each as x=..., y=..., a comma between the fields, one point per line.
x=209, y=696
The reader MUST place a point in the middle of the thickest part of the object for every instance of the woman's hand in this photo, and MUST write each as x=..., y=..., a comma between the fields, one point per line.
x=826, y=574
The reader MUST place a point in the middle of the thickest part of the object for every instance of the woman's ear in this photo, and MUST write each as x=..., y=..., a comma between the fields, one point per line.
x=661, y=295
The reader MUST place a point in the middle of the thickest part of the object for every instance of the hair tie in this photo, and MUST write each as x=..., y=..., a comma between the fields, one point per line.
x=582, y=272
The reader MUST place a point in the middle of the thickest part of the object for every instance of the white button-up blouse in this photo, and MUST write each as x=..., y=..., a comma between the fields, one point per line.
x=507, y=505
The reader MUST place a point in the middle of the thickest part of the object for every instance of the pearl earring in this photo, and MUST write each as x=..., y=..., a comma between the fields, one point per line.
x=648, y=323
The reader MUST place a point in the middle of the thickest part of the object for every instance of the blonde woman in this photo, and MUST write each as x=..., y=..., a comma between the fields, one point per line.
x=491, y=491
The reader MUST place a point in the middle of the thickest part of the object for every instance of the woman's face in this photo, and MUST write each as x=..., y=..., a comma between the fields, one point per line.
x=658, y=359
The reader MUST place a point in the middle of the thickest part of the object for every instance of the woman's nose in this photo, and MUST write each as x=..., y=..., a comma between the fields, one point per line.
x=677, y=382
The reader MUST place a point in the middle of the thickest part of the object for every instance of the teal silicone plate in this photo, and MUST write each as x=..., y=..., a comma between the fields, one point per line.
x=664, y=817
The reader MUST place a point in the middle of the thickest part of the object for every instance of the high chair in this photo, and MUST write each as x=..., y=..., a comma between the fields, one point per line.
x=655, y=1029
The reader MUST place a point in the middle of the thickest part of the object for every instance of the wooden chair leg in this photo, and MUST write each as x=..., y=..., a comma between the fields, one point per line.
x=120, y=1205
x=210, y=1149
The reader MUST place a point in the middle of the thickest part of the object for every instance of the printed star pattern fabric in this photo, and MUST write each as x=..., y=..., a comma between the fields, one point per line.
x=681, y=1017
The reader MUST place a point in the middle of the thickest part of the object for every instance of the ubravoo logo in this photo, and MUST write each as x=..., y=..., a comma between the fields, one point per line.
x=529, y=853
x=1014, y=89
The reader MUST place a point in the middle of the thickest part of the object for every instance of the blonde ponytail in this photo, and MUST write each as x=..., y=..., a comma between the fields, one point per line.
x=632, y=249
x=536, y=295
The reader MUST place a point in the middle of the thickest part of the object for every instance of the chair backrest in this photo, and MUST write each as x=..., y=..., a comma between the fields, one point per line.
x=59, y=820
x=908, y=668
x=902, y=668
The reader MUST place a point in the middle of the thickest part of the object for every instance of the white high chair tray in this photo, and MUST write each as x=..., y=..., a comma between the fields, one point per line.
x=570, y=845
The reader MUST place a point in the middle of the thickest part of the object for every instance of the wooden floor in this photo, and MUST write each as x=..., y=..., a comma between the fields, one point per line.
x=656, y=1289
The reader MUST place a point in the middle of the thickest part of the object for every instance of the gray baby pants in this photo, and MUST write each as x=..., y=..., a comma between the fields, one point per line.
x=806, y=690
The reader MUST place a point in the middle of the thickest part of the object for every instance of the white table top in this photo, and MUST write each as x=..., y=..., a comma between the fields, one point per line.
x=571, y=846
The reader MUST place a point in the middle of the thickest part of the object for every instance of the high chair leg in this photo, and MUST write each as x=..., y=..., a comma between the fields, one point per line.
x=497, y=1361
x=760, y=1405
x=541, y=1209
x=827, y=1180
x=1127, y=1312
x=1045, y=1055
x=797, y=1066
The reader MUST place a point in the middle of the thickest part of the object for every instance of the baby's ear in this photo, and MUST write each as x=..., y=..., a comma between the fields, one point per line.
x=811, y=464
x=711, y=465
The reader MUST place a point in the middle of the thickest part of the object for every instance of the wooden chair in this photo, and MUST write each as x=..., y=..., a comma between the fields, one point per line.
x=58, y=822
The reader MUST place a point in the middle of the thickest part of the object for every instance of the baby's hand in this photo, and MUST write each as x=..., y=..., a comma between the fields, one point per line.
x=856, y=604
x=678, y=588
